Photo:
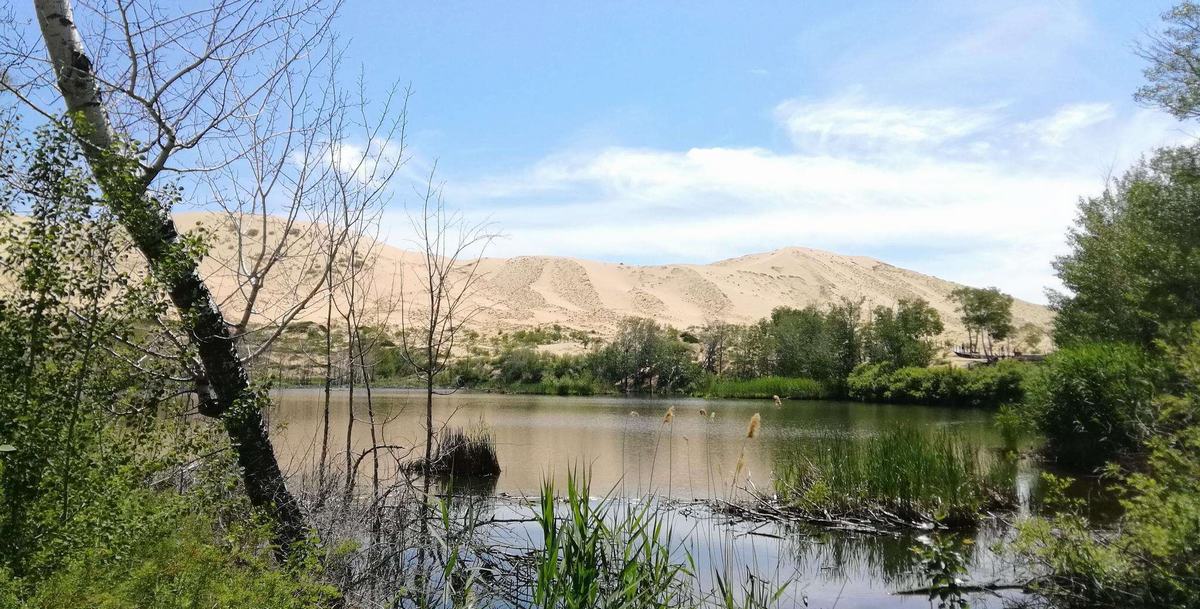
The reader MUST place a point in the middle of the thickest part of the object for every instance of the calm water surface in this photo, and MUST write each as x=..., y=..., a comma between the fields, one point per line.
x=630, y=452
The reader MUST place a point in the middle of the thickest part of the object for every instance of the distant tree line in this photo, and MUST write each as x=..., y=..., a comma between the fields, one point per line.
x=824, y=344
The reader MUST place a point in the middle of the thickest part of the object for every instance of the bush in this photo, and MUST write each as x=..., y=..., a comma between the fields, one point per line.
x=1151, y=558
x=175, y=562
x=1094, y=402
x=983, y=386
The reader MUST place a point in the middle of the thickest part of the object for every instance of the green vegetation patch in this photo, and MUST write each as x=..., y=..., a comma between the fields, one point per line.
x=902, y=478
x=983, y=386
x=765, y=387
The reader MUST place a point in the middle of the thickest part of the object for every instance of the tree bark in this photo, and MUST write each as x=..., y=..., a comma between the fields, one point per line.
x=225, y=389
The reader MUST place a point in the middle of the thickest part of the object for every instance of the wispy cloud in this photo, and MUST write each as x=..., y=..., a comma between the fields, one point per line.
x=857, y=120
x=1058, y=128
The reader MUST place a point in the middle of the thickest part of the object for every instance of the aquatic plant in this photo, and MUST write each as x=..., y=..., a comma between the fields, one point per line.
x=466, y=453
x=605, y=553
x=591, y=559
x=900, y=478
x=765, y=388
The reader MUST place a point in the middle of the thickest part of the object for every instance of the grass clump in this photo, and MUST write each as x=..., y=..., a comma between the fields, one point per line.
x=466, y=453
x=765, y=387
x=602, y=553
x=593, y=558
x=901, y=478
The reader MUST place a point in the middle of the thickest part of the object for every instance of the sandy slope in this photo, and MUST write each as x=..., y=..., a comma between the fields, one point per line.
x=529, y=291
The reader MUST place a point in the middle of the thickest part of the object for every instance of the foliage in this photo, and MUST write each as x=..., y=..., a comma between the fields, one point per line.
x=802, y=343
x=1173, y=55
x=987, y=314
x=982, y=386
x=646, y=356
x=944, y=565
x=1151, y=558
x=903, y=336
x=1094, y=402
x=1133, y=273
x=174, y=560
x=109, y=496
x=919, y=478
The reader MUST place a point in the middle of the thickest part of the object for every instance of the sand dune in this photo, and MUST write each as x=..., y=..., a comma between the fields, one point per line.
x=529, y=291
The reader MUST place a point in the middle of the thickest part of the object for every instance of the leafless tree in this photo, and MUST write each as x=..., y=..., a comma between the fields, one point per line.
x=450, y=250
x=356, y=197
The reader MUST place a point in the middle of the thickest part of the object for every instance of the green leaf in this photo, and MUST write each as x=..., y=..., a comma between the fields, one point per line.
x=7, y=448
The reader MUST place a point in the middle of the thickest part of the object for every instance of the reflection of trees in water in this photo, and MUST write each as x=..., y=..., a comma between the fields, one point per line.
x=834, y=556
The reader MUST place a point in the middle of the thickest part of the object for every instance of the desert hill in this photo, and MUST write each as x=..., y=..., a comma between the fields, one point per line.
x=531, y=291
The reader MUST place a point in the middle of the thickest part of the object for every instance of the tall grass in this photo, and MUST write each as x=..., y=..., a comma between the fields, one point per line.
x=901, y=477
x=765, y=387
x=591, y=558
x=466, y=453
x=603, y=553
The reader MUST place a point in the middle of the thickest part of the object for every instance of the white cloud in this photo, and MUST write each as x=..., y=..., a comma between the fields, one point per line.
x=971, y=195
x=1058, y=128
x=856, y=119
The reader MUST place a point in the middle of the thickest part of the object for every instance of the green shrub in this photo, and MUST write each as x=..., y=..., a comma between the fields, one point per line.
x=177, y=562
x=983, y=386
x=1095, y=402
x=1151, y=557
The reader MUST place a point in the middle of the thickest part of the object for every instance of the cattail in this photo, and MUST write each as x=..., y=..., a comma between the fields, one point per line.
x=737, y=471
x=670, y=416
x=712, y=416
x=755, y=421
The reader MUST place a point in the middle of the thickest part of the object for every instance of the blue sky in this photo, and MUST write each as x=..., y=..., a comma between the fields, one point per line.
x=953, y=138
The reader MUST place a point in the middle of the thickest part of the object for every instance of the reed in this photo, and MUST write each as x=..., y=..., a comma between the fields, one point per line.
x=465, y=453
x=612, y=554
x=765, y=388
x=604, y=554
x=902, y=476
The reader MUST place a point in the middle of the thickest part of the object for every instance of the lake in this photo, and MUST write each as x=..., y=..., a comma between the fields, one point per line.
x=630, y=452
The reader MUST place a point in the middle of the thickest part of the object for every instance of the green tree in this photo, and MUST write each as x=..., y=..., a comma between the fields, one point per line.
x=802, y=343
x=1133, y=272
x=752, y=350
x=987, y=314
x=903, y=336
x=1173, y=76
x=846, y=328
x=646, y=356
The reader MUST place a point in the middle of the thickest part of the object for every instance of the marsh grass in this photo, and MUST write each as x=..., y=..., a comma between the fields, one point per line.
x=900, y=478
x=765, y=388
x=608, y=553
x=465, y=453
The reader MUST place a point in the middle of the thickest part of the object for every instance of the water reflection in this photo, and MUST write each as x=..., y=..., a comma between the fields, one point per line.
x=631, y=452
x=623, y=442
